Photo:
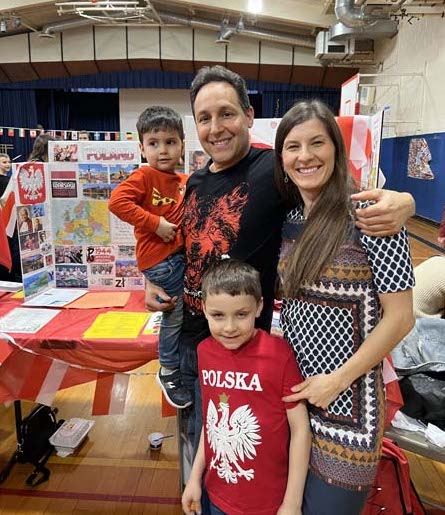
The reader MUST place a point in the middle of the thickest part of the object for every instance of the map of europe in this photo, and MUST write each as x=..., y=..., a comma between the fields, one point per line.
x=81, y=222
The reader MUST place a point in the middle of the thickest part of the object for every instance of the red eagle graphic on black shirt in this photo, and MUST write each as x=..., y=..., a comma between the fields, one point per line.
x=211, y=226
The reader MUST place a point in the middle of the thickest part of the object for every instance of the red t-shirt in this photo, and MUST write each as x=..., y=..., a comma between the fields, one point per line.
x=246, y=432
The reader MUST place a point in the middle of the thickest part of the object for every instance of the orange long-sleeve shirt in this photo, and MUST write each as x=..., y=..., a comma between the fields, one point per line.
x=141, y=200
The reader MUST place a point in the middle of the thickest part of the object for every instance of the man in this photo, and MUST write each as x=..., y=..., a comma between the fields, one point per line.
x=84, y=136
x=233, y=208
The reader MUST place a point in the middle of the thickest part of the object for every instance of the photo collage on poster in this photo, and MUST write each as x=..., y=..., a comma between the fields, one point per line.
x=68, y=238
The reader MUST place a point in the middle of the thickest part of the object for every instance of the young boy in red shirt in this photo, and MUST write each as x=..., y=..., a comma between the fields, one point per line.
x=151, y=200
x=254, y=448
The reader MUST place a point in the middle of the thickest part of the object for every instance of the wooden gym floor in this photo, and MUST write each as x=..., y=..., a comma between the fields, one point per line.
x=115, y=473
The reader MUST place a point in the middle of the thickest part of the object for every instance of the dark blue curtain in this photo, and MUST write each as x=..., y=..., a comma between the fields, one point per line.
x=276, y=103
x=56, y=103
x=17, y=109
x=65, y=110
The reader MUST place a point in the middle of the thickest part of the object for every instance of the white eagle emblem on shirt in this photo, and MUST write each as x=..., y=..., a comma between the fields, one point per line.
x=232, y=440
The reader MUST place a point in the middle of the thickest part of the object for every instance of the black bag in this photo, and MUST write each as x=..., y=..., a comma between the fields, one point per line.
x=33, y=444
x=424, y=397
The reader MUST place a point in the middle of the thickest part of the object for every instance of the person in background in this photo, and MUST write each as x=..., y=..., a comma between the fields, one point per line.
x=254, y=448
x=5, y=168
x=199, y=160
x=15, y=275
x=84, y=136
x=151, y=200
x=40, y=150
x=24, y=221
x=233, y=208
x=347, y=303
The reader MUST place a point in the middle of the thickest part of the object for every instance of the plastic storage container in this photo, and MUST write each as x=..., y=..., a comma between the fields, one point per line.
x=70, y=435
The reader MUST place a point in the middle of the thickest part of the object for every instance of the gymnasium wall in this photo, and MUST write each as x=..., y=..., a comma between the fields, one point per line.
x=416, y=107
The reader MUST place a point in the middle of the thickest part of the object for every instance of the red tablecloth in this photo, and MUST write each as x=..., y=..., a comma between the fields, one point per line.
x=63, y=339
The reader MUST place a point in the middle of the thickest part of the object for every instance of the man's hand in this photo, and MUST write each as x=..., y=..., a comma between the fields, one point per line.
x=166, y=231
x=154, y=295
x=387, y=216
x=441, y=242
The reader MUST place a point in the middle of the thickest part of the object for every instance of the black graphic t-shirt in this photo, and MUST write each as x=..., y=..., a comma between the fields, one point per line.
x=237, y=213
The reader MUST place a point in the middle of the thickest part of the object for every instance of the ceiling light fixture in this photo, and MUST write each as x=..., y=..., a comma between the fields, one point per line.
x=255, y=6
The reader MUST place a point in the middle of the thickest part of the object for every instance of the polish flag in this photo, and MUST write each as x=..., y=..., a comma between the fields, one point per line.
x=8, y=211
x=110, y=394
x=394, y=399
x=5, y=252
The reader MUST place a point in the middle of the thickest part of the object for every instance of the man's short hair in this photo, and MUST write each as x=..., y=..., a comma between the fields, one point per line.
x=218, y=73
x=231, y=277
x=156, y=118
x=86, y=133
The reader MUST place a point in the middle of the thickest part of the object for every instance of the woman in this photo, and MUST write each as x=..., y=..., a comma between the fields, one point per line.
x=335, y=282
x=40, y=148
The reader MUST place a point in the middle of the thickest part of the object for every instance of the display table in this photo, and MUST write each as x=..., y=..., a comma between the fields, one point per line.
x=63, y=339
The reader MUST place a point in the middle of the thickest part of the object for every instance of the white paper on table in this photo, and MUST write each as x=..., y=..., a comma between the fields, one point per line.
x=55, y=297
x=26, y=320
x=402, y=421
x=435, y=435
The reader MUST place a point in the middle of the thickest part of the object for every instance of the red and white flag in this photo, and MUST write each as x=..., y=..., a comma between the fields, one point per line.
x=110, y=394
x=8, y=213
x=394, y=399
x=5, y=252
x=42, y=378
x=52, y=382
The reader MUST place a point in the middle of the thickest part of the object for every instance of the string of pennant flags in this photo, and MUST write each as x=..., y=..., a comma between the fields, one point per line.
x=22, y=132
x=48, y=374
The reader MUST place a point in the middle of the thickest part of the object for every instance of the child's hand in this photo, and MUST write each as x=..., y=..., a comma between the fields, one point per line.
x=166, y=231
x=191, y=498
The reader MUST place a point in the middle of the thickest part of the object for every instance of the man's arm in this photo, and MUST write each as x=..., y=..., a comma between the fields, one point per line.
x=389, y=213
x=299, y=452
x=191, y=498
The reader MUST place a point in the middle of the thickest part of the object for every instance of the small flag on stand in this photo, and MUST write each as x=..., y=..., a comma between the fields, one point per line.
x=96, y=136
x=65, y=135
x=117, y=136
x=11, y=133
x=129, y=136
x=21, y=133
x=1, y=131
x=33, y=133
x=107, y=136
x=74, y=135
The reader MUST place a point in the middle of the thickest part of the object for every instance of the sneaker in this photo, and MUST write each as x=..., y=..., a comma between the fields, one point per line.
x=174, y=391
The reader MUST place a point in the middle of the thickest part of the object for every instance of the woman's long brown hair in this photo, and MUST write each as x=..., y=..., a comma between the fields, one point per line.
x=328, y=222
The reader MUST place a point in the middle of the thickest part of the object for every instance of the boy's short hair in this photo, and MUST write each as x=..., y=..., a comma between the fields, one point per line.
x=156, y=118
x=231, y=277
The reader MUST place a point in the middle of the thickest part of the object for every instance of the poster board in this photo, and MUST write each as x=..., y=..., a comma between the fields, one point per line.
x=349, y=100
x=67, y=236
